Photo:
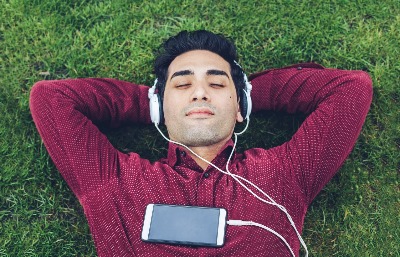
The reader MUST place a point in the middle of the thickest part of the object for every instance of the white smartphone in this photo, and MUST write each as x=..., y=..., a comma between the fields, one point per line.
x=184, y=225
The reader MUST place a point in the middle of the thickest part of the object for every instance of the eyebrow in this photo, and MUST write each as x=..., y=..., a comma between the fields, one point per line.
x=208, y=73
x=182, y=73
x=217, y=72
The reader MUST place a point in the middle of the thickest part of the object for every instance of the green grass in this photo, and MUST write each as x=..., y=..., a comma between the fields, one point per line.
x=357, y=214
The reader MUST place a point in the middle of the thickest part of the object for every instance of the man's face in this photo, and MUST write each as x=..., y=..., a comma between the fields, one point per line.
x=200, y=101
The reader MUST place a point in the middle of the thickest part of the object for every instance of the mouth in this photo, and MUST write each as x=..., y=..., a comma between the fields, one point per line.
x=200, y=112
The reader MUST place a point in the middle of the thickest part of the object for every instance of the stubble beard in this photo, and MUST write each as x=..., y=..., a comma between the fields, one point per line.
x=197, y=136
x=201, y=132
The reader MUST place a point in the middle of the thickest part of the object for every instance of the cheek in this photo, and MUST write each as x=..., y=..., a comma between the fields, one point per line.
x=234, y=102
x=166, y=109
x=230, y=107
x=166, y=112
x=171, y=107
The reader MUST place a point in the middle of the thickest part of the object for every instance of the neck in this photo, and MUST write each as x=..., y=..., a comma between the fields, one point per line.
x=206, y=152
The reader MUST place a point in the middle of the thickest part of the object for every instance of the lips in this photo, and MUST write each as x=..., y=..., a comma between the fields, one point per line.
x=200, y=111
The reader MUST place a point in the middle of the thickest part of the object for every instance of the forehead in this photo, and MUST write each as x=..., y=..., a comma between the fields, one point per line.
x=199, y=61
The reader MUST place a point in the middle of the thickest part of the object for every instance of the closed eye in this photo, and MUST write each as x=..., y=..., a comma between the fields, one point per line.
x=216, y=85
x=182, y=86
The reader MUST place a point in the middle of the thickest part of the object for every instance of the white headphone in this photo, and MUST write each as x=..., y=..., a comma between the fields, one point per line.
x=155, y=106
x=246, y=107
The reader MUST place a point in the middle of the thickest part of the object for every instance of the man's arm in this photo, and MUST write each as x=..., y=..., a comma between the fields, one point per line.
x=336, y=102
x=66, y=113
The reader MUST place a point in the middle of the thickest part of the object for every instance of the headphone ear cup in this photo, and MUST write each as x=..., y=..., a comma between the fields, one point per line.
x=160, y=109
x=155, y=109
x=155, y=103
x=245, y=102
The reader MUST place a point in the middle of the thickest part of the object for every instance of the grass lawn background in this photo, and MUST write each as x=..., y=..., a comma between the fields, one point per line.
x=357, y=214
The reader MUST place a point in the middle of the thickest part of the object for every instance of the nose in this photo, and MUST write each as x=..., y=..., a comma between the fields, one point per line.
x=200, y=92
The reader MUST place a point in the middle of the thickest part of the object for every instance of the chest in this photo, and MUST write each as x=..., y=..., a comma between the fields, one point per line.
x=116, y=212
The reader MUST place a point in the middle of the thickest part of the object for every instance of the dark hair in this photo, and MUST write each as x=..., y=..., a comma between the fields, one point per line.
x=186, y=41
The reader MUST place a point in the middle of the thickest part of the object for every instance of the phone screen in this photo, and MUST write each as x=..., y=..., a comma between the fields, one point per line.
x=187, y=225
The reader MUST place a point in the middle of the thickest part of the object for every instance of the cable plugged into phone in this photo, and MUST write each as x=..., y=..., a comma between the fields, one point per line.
x=252, y=223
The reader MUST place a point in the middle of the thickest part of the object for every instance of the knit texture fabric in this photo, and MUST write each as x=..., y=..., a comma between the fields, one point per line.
x=114, y=188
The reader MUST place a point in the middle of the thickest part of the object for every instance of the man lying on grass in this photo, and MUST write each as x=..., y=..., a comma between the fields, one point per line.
x=200, y=93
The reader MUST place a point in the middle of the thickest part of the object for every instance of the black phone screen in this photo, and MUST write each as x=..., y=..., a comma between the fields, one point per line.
x=184, y=224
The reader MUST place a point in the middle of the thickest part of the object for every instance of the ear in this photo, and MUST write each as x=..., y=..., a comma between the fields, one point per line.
x=239, y=117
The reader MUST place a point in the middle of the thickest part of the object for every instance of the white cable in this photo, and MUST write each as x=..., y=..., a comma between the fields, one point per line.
x=237, y=179
x=252, y=223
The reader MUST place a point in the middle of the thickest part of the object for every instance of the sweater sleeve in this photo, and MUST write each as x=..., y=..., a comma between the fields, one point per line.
x=66, y=114
x=336, y=102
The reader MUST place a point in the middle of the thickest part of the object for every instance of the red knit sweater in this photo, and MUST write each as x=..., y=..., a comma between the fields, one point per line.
x=114, y=188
